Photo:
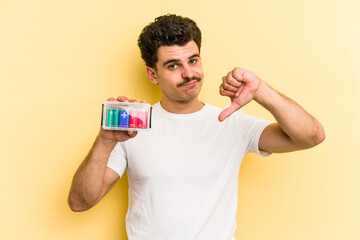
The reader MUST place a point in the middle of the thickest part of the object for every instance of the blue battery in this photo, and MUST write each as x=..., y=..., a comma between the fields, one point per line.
x=123, y=118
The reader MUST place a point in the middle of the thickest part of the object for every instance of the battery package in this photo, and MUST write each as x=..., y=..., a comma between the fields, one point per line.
x=126, y=116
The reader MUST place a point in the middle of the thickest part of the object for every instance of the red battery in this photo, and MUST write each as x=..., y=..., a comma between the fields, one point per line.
x=133, y=123
x=142, y=121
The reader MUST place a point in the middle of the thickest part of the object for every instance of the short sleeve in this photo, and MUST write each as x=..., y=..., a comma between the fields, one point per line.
x=255, y=127
x=117, y=159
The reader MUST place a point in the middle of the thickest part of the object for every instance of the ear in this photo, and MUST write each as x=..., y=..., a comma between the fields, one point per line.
x=151, y=74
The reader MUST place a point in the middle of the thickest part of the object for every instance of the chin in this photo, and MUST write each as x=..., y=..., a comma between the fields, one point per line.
x=190, y=97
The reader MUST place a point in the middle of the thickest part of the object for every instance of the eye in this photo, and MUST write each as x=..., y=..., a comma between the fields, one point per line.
x=172, y=66
x=193, y=61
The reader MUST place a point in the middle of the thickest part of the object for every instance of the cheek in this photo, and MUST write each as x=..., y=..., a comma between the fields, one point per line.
x=171, y=78
x=167, y=83
x=199, y=71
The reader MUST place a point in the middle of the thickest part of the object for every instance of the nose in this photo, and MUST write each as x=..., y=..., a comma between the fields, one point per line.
x=187, y=72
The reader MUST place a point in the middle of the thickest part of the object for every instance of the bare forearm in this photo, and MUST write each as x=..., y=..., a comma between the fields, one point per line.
x=88, y=181
x=297, y=124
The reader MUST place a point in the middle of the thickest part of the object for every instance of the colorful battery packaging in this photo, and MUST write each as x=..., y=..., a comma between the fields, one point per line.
x=125, y=116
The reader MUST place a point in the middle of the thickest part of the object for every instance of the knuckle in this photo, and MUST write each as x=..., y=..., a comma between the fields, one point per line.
x=221, y=89
x=237, y=73
x=237, y=69
x=229, y=75
x=231, y=82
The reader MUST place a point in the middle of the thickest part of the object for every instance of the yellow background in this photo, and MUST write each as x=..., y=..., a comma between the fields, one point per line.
x=59, y=60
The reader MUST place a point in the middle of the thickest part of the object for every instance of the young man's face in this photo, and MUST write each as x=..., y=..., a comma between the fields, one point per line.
x=179, y=72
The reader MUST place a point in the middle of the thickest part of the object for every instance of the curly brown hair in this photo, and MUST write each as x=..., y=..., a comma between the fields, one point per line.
x=166, y=30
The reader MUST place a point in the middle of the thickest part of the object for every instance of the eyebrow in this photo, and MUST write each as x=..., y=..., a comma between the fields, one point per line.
x=178, y=60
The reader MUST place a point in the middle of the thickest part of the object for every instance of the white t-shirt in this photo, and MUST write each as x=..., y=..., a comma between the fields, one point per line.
x=183, y=174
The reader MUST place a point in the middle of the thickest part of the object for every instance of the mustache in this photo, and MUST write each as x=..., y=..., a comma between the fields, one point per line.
x=188, y=80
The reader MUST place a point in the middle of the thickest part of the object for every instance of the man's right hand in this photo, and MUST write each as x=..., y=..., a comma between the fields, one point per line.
x=118, y=136
x=94, y=179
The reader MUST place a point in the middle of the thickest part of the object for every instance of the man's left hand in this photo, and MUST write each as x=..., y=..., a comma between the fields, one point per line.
x=241, y=86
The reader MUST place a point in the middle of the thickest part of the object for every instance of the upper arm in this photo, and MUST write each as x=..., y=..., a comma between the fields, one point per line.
x=273, y=139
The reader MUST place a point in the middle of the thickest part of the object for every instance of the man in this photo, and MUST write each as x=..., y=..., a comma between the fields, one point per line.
x=183, y=173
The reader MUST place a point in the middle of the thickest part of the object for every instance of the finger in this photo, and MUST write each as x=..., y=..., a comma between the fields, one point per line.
x=230, y=80
x=143, y=101
x=111, y=99
x=228, y=111
x=229, y=88
x=122, y=99
x=238, y=74
x=132, y=133
x=226, y=93
x=132, y=100
x=237, y=94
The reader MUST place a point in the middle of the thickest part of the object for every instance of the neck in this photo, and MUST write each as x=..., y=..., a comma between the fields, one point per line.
x=182, y=107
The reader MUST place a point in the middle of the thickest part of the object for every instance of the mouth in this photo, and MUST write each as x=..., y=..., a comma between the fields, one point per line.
x=189, y=82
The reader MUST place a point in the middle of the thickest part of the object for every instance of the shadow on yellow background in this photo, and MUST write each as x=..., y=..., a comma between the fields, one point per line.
x=60, y=60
